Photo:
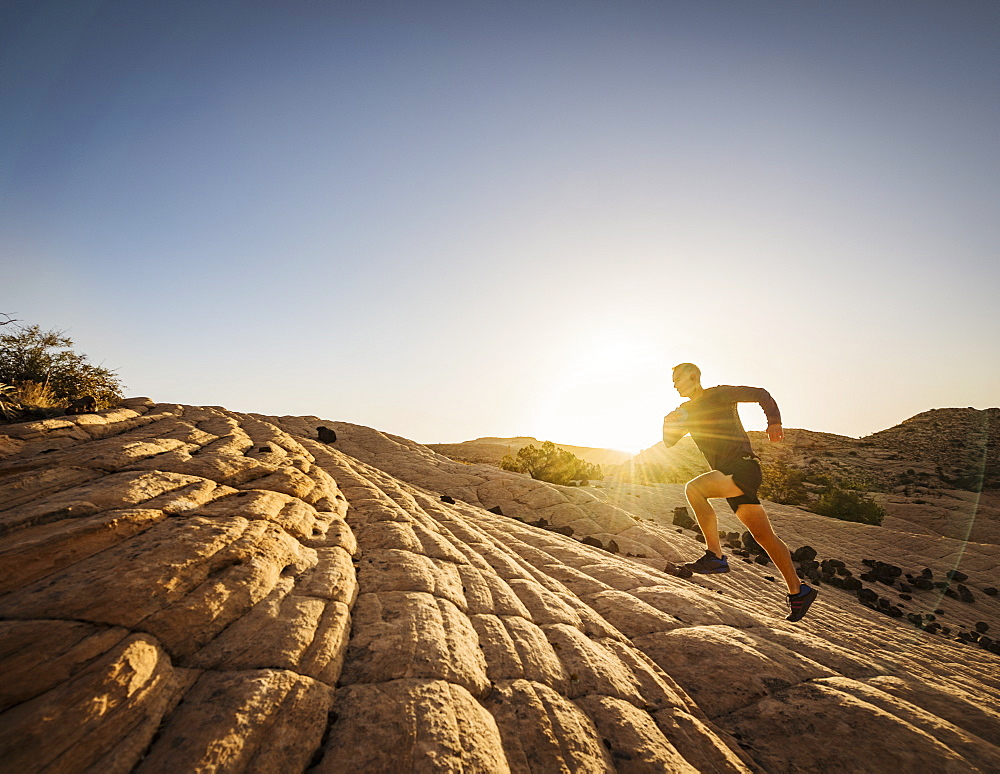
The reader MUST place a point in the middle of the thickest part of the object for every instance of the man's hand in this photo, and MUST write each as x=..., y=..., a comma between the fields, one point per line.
x=673, y=426
x=774, y=433
x=676, y=417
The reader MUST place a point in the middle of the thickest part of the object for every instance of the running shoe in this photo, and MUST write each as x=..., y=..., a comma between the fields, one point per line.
x=799, y=603
x=709, y=564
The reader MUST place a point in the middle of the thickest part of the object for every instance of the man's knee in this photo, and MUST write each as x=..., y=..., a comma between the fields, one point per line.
x=691, y=489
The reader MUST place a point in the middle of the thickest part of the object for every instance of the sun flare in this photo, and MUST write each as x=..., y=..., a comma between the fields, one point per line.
x=612, y=396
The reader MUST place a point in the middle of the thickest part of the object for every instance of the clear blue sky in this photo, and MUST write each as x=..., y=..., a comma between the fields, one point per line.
x=454, y=219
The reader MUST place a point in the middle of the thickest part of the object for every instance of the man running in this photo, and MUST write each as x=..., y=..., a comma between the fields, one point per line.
x=711, y=417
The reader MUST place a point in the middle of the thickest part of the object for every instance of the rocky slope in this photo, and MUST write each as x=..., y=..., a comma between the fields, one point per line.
x=191, y=589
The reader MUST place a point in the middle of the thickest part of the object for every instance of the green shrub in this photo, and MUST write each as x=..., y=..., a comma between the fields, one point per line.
x=783, y=484
x=43, y=363
x=550, y=463
x=848, y=505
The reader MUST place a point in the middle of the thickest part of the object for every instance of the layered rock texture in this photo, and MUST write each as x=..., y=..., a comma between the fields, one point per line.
x=192, y=589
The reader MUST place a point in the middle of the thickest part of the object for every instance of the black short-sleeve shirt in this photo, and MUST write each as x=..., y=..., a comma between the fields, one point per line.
x=714, y=422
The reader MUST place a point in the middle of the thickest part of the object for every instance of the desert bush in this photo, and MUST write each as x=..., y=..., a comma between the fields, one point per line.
x=550, y=463
x=39, y=396
x=848, y=505
x=9, y=406
x=43, y=365
x=783, y=484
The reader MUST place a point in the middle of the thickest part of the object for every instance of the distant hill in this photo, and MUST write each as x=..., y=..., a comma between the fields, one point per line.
x=492, y=450
x=949, y=448
x=953, y=448
x=961, y=444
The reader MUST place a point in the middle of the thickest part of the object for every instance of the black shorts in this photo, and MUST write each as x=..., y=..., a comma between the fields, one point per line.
x=747, y=476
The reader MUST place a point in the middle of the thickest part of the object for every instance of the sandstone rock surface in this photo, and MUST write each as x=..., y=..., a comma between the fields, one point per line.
x=192, y=589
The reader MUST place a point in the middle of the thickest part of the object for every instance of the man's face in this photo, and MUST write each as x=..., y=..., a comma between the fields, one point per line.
x=685, y=383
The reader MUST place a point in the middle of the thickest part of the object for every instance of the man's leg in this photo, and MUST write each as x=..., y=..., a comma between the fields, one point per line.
x=698, y=490
x=755, y=519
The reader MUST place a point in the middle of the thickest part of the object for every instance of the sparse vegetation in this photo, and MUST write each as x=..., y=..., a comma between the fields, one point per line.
x=846, y=504
x=42, y=372
x=783, y=484
x=550, y=463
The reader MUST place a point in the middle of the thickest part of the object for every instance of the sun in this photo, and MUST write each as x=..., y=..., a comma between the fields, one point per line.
x=614, y=396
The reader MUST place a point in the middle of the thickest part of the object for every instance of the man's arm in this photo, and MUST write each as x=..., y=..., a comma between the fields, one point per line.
x=674, y=427
x=770, y=406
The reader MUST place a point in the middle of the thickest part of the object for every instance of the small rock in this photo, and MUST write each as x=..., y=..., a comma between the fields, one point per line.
x=448, y=499
x=804, y=554
x=682, y=518
x=325, y=435
x=750, y=544
x=85, y=405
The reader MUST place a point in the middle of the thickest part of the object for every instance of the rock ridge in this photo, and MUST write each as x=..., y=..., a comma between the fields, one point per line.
x=189, y=589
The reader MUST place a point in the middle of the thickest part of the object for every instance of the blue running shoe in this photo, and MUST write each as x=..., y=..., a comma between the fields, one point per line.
x=799, y=603
x=709, y=564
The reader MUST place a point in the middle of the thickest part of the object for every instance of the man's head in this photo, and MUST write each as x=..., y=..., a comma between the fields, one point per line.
x=687, y=379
